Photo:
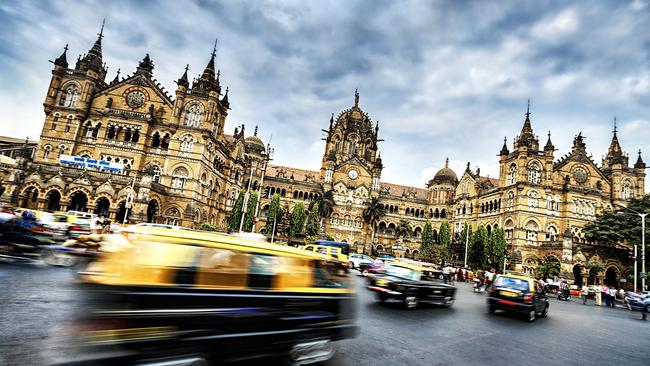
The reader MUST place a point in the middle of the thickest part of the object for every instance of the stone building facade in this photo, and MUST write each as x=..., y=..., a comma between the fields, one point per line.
x=181, y=168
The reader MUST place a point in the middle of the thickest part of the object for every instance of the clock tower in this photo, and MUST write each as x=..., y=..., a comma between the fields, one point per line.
x=351, y=162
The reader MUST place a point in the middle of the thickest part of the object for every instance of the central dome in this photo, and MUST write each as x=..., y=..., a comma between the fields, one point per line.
x=444, y=176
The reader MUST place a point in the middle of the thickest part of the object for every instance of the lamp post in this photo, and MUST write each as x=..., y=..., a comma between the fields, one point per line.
x=466, y=241
x=642, y=215
x=244, y=206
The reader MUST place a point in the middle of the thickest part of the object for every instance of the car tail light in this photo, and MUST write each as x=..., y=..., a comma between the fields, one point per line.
x=528, y=298
x=75, y=227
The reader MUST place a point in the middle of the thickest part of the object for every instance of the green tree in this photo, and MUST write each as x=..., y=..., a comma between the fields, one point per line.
x=325, y=200
x=274, y=213
x=428, y=247
x=208, y=227
x=237, y=211
x=312, y=225
x=373, y=212
x=297, y=220
x=403, y=228
x=250, y=213
x=497, y=248
x=478, y=244
x=445, y=248
x=612, y=228
x=549, y=268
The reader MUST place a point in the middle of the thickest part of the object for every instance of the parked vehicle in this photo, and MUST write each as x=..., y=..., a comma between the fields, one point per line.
x=411, y=285
x=356, y=260
x=190, y=296
x=519, y=294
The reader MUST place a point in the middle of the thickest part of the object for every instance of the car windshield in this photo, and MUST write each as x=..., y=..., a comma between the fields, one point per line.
x=512, y=283
x=403, y=272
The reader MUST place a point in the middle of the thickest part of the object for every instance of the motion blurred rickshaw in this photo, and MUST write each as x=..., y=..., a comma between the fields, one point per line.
x=174, y=297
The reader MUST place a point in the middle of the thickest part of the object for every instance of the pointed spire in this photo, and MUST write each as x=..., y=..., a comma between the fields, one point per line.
x=376, y=128
x=549, y=145
x=331, y=121
x=639, y=162
x=356, y=98
x=255, y=132
x=504, y=150
x=117, y=77
x=447, y=162
x=208, y=72
x=63, y=59
x=527, y=136
x=93, y=59
x=528, y=109
x=224, y=100
x=183, y=80
x=614, y=153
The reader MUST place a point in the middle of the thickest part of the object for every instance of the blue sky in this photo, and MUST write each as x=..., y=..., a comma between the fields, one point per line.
x=444, y=78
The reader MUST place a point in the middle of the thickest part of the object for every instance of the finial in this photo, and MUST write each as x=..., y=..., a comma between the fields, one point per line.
x=615, y=129
x=528, y=109
x=505, y=140
x=187, y=67
x=65, y=49
x=218, y=73
x=118, y=72
x=356, y=97
x=447, y=163
x=214, y=50
x=255, y=133
x=101, y=31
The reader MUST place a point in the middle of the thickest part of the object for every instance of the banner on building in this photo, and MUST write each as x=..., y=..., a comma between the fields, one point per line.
x=89, y=163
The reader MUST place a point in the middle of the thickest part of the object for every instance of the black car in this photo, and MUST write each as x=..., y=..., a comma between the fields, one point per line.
x=519, y=294
x=411, y=285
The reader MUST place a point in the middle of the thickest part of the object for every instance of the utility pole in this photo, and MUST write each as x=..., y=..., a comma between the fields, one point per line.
x=244, y=206
x=466, y=241
x=269, y=157
x=128, y=203
x=642, y=216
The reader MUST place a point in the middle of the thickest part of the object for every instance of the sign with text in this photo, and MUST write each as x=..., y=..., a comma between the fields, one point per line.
x=90, y=163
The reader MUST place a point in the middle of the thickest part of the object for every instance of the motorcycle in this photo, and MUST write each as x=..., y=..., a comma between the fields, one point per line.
x=22, y=239
x=563, y=295
x=478, y=286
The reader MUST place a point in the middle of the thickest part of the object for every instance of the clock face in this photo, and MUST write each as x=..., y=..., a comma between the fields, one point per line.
x=580, y=175
x=353, y=174
x=135, y=99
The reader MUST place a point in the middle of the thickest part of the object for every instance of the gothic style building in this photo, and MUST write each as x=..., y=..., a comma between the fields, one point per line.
x=181, y=168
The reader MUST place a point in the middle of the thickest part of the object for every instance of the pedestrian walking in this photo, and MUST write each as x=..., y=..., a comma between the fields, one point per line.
x=605, y=291
x=612, y=296
x=598, y=295
x=584, y=294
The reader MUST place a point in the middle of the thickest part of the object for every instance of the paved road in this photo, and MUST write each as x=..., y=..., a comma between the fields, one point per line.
x=36, y=300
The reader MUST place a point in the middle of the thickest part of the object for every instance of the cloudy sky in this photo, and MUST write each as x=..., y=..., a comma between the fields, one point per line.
x=444, y=78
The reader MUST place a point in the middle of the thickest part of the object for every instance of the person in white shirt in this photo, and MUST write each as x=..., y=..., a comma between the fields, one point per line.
x=584, y=293
x=598, y=295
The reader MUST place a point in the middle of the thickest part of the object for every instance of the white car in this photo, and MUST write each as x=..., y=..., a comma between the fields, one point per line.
x=356, y=259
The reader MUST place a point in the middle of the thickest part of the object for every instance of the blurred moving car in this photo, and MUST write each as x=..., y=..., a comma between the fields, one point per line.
x=637, y=302
x=517, y=293
x=333, y=253
x=170, y=297
x=356, y=260
x=411, y=284
x=78, y=227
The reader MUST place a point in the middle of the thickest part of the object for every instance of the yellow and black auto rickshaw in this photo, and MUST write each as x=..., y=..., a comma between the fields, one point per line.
x=182, y=297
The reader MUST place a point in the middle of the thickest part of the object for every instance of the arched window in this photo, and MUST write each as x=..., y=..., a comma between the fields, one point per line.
x=531, y=230
x=179, y=179
x=156, y=174
x=88, y=129
x=534, y=173
x=627, y=190
x=187, y=143
x=193, y=115
x=512, y=174
x=551, y=233
x=509, y=228
x=533, y=199
x=155, y=140
x=164, y=144
x=47, y=149
x=70, y=96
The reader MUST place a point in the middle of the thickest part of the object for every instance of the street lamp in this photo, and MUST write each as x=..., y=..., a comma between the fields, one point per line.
x=642, y=215
x=466, y=242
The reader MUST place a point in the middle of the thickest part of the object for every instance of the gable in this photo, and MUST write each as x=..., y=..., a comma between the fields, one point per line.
x=154, y=93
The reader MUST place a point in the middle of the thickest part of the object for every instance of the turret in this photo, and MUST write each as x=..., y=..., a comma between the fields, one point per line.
x=145, y=67
x=639, y=163
x=92, y=63
x=549, y=148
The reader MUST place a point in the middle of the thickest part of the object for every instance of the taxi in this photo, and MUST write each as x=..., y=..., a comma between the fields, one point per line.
x=333, y=253
x=518, y=293
x=157, y=296
x=411, y=284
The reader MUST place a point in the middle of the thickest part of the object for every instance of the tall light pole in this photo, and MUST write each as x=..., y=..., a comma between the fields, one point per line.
x=466, y=241
x=642, y=215
x=244, y=206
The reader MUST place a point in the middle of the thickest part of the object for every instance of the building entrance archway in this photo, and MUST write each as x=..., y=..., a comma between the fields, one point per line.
x=577, y=275
x=152, y=210
x=611, y=276
x=78, y=202
x=102, y=206
x=121, y=212
x=53, y=198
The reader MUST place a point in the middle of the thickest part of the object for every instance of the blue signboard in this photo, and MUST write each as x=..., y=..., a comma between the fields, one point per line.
x=90, y=163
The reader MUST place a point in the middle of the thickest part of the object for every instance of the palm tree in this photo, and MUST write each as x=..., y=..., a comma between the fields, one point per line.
x=325, y=200
x=371, y=215
x=403, y=228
